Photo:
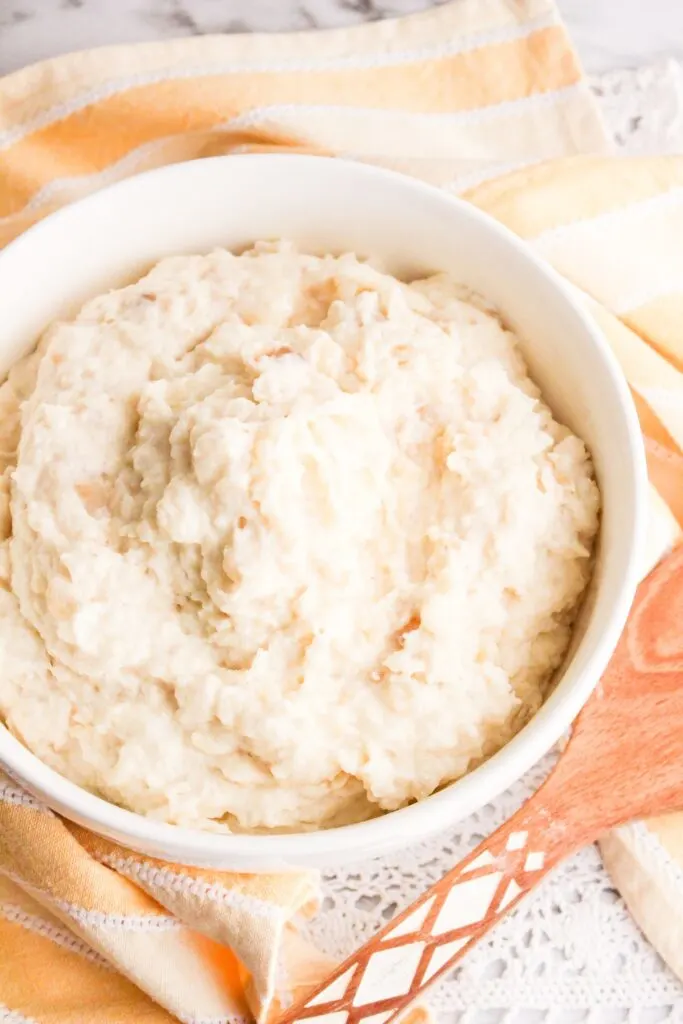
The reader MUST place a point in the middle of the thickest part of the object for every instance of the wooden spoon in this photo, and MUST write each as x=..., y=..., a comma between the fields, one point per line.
x=624, y=760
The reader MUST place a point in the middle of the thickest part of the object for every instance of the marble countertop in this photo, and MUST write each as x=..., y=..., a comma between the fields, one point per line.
x=609, y=34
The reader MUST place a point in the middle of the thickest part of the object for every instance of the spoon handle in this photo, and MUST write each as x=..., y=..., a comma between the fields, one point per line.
x=428, y=939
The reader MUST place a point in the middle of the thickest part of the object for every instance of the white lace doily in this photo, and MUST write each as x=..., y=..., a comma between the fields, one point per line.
x=570, y=954
x=643, y=108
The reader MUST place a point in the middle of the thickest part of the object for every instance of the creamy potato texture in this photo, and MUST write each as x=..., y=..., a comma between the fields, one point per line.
x=285, y=542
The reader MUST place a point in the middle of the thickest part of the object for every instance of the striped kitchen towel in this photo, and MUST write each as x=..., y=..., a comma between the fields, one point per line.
x=457, y=96
x=466, y=91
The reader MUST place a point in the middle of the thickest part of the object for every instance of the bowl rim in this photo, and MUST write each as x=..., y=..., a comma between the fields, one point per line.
x=455, y=800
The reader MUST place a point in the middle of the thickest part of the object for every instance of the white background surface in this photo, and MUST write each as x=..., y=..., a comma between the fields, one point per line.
x=609, y=34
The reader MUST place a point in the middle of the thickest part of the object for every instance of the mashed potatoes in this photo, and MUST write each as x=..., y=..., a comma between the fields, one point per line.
x=284, y=541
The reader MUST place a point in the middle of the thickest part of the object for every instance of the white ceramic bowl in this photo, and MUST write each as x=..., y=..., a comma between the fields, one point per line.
x=230, y=201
